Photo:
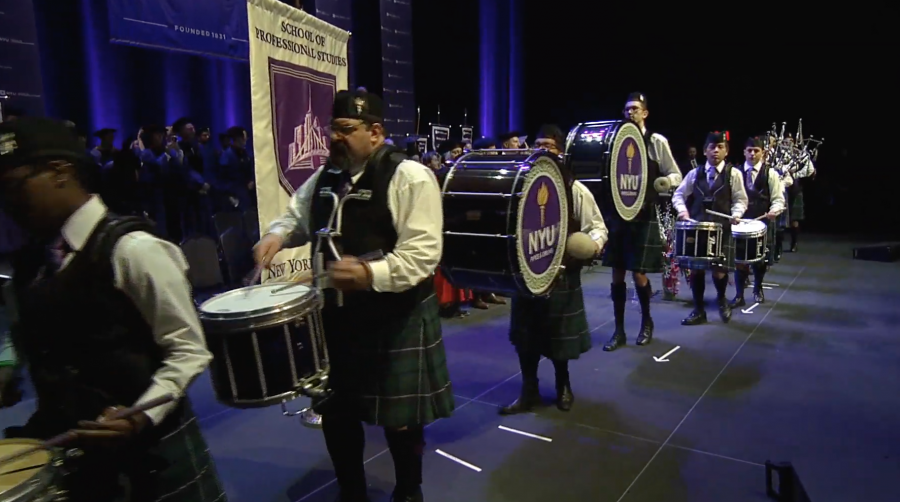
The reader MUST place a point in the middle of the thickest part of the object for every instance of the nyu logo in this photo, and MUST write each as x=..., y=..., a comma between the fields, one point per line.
x=542, y=242
x=629, y=183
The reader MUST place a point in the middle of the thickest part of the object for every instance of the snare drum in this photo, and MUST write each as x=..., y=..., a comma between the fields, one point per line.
x=749, y=241
x=698, y=242
x=505, y=222
x=268, y=344
x=32, y=478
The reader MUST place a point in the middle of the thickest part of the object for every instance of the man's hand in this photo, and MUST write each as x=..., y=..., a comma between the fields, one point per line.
x=772, y=215
x=684, y=216
x=108, y=432
x=267, y=248
x=735, y=220
x=350, y=274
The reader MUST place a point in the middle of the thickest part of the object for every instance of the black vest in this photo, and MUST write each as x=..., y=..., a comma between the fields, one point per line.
x=758, y=193
x=716, y=198
x=86, y=345
x=367, y=226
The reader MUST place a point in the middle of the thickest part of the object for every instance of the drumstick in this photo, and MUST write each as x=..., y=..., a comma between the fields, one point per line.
x=71, y=435
x=251, y=279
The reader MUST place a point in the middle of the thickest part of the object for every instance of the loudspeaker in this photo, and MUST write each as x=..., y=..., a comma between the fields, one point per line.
x=789, y=489
x=887, y=252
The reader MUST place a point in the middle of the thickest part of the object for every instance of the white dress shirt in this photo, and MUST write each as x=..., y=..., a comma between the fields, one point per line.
x=587, y=212
x=414, y=201
x=739, y=198
x=776, y=191
x=658, y=149
x=152, y=272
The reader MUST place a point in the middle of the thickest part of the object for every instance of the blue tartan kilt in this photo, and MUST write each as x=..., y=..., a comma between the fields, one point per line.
x=556, y=326
x=797, y=206
x=636, y=246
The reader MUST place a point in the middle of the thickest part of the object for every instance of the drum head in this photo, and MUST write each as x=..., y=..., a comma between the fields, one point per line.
x=543, y=224
x=257, y=301
x=26, y=474
x=628, y=171
x=748, y=227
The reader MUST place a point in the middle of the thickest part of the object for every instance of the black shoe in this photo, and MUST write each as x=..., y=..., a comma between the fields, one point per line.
x=617, y=340
x=696, y=317
x=738, y=302
x=758, y=296
x=794, y=248
x=528, y=400
x=352, y=498
x=645, y=336
x=724, y=310
x=415, y=497
x=564, y=398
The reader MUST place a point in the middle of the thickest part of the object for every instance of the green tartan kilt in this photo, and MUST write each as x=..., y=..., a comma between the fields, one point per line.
x=392, y=374
x=797, y=206
x=635, y=245
x=726, y=259
x=556, y=326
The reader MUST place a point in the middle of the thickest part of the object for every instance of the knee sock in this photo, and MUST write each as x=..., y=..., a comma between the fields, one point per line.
x=346, y=443
x=794, y=232
x=529, y=364
x=759, y=273
x=698, y=288
x=619, y=292
x=740, y=277
x=562, y=373
x=779, y=241
x=407, y=448
x=644, y=293
x=722, y=286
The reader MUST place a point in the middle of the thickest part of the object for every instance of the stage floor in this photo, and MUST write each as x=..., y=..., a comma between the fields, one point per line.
x=809, y=377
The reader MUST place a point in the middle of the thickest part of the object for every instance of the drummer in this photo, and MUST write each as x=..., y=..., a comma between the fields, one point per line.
x=388, y=364
x=104, y=319
x=719, y=187
x=766, y=197
x=637, y=245
x=556, y=327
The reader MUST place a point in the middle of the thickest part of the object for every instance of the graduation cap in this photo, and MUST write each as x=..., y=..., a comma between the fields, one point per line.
x=552, y=131
x=717, y=137
x=449, y=145
x=103, y=132
x=510, y=135
x=755, y=142
x=180, y=123
x=484, y=144
x=638, y=97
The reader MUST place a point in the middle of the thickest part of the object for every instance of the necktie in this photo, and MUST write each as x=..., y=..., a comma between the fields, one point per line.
x=711, y=176
x=750, y=179
x=346, y=184
x=58, y=252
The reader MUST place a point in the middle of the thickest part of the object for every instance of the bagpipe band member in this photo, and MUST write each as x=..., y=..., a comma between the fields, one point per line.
x=556, y=327
x=795, y=195
x=103, y=319
x=637, y=245
x=784, y=219
x=765, y=197
x=719, y=187
x=388, y=363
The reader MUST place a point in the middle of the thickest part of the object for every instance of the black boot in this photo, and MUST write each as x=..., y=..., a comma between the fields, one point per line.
x=740, y=278
x=721, y=289
x=645, y=336
x=779, y=244
x=407, y=449
x=698, y=288
x=795, y=231
x=618, y=339
x=564, y=396
x=529, y=399
x=759, y=272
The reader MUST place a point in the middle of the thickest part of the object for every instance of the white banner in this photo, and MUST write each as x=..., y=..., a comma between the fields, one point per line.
x=297, y=64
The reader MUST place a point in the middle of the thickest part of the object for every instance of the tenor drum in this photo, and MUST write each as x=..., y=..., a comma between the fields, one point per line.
x=34, y=477
x=610, y=158
x=505, y=222
x=697, y=242
x=268, y=344
x=749, y=241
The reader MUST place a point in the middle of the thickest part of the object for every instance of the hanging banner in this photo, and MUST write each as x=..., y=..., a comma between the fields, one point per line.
x=297, y=64
x=21, y=87
x=467, y=133
x=439, y=134
x=207, y=27
x=422, y=144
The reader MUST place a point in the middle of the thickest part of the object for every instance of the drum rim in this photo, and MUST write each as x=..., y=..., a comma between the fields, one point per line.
x=261, y=317
x=42, y=478
x=697, y=225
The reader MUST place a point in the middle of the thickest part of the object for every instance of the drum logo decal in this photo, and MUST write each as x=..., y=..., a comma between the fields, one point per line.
x=628, y=171
x=542, y=225
x=711, y=246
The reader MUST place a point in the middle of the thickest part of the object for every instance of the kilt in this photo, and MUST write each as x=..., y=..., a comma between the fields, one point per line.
x=771, y=227
x=726, y=260
x=394, y=373
x=784, y=219
x=556, y=326
x=635, y=245
x=797, y=206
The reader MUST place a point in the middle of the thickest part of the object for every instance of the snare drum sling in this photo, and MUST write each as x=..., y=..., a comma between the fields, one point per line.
x=87, y=347
x=386, y=350
x=717, y=197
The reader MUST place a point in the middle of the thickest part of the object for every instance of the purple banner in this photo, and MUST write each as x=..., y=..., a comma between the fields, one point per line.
x=20, y=64
x=397, y=67
x=338, y=13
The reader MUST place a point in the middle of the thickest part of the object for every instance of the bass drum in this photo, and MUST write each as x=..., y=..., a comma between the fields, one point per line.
x=610, y=158
x=505, y=222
